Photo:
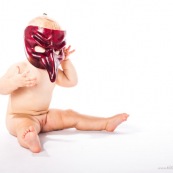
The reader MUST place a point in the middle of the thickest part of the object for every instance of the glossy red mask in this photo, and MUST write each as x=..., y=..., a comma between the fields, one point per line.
x=51, y=41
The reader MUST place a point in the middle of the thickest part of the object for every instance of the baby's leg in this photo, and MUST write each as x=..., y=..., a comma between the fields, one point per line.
x=62, y=119
x=26, y=129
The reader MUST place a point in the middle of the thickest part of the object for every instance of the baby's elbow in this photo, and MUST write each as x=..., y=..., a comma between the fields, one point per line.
x=4, y=93
x=74, y=83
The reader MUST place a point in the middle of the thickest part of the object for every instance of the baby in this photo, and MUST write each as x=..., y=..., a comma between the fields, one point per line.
x=30, y=85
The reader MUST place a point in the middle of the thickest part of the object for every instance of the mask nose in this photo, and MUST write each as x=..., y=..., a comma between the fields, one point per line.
x=50, y=65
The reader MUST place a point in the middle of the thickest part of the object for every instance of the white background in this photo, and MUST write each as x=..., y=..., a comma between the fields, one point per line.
x=124, y=62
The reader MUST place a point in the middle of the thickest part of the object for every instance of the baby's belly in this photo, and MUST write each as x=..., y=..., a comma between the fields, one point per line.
x=33, y=104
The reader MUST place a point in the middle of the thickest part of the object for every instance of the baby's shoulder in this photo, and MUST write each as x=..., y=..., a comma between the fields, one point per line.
x=21, y=64
x=16, y=67
x=18, y=64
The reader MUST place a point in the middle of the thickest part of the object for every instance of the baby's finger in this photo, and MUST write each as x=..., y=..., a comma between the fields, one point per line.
x=68, y=48
x=65, y=49
x=71, y=51
x=31, y=78
x=25, y=73
x=31, y=82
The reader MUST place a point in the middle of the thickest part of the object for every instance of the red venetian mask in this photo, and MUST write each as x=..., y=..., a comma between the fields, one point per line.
x=50, y=53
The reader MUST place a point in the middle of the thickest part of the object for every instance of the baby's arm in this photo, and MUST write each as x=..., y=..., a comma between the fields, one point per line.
x=13, y=79
x=67, y=77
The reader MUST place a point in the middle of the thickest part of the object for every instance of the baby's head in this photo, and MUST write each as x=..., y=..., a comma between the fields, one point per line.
x=44, y=42
x=45, y=22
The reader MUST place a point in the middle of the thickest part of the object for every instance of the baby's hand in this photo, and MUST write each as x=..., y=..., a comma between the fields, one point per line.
x=67, y=52
x=23, y=79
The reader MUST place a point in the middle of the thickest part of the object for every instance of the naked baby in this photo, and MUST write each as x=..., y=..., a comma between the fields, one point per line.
x=30, y=85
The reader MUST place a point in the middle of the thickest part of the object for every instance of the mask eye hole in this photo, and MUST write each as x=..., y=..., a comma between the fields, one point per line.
x=57, y=52
x=39, y=49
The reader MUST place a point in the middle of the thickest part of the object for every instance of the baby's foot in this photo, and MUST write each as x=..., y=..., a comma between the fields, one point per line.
x=32, y=140
x=114, y=121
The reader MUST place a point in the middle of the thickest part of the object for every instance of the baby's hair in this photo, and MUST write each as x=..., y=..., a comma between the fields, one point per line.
x=44, y=21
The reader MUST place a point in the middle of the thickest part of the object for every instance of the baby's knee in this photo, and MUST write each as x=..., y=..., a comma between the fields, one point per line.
x=70, y=112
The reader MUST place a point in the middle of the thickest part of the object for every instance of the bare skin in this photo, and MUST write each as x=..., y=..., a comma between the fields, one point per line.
x=30, y=93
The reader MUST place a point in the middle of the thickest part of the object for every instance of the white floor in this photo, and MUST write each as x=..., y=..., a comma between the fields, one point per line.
x=139, y=145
